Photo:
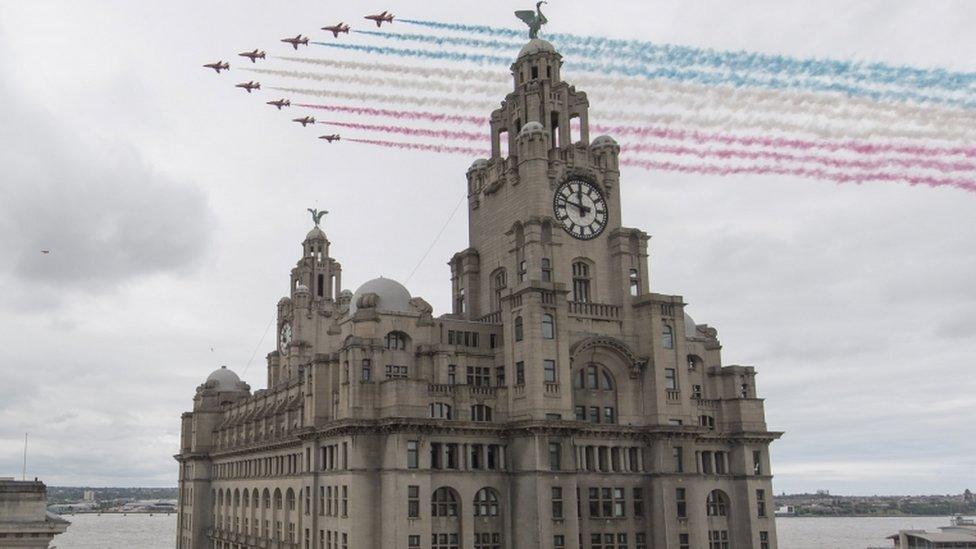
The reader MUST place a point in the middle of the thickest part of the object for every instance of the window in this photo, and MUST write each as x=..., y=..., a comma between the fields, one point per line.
x=670, y=379
x=640, y=540
x=634, y=282
x=693, y=362
x=707, y=421
x=435, y=455
x=756, y=462
x=681, y=504
x=480, y=412
x=521, y=271
x=744, y=390
x=619, y=509
x=444, y=541
x=677, y=459
x=520, y=373
x=451, y=374
x=460, y=301
x=581, y=282
x=696, y=392
x=492, y=341
x=479, y=376
x=412, y=453
x=557, y=502
x=396, y=341
x=444, y=503
x=638, y=498
x=609, y=416
x=518, y=328
x=761, y=503
x=500, y=376
x=558, y=541
x=367, y=369
x=439, y=410
x=684, y=541
x=763, y=540
x=667, y=337
x=716, y=504
x=555, y=452
x=548, y=326
x=676, y=422
x=486, y=503
x=718, y=539
x=487, y=540
x=546, y=270
x=549, y=368
x=413, y=541
x=396, y=372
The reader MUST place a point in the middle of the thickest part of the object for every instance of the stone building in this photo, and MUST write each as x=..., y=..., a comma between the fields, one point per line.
x=24, y=519
x=561, y=404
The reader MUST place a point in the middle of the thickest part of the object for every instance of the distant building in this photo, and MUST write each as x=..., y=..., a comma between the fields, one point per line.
x=560, y=405
x=961, y=534
x=89, y=496
x=24, y=520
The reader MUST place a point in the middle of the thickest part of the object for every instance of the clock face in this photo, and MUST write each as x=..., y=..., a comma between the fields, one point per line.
x=284, y=338
x=580, y=207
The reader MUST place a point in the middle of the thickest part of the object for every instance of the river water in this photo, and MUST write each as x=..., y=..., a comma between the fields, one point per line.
x=159, y=531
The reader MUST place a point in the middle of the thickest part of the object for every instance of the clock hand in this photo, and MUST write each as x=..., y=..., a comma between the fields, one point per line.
x=583, y=209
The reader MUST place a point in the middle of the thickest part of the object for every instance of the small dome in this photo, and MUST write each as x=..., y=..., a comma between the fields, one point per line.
x=536, y=45
x=691, y=330
x=393, y=296
x=315, y=234
x=604, y=141
x=478, y=164
x=225, y=380
x=532, y=127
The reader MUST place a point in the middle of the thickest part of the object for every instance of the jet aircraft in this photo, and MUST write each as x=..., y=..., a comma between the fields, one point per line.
x=336, y=29
x=249, y=86
x=331, y=138
x=305, y=121
x=380, y=18
x=298, y=39
x=279, y=103
x=218, y=66
x=253, y=55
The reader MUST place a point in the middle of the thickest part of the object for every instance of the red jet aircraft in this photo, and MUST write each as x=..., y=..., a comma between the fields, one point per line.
x=253, y=55
x=336, y=29
x=218, y=66
x=298, y=39
x=279, y=103
x=249, y=86
x=380, y=18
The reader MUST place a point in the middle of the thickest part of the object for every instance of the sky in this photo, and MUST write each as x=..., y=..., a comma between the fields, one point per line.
x=174, y=209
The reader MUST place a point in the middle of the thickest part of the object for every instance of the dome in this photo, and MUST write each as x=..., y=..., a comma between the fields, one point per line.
x=478, y=164
x=531, y=127
x=224, y=380
x=691, y=329
x=392, y=296
x=315, y=234
x=536, y=45
x=603, y=141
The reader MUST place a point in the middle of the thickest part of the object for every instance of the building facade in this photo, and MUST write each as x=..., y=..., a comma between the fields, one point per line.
x=24, y=519
x=561, y=404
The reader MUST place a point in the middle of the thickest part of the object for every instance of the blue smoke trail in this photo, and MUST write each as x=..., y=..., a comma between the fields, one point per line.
x=700, y=77
x=880, y=73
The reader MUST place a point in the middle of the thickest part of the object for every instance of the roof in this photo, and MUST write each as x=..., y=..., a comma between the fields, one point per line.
x=391, y=296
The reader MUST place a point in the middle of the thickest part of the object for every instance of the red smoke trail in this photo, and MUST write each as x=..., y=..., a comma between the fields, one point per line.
x=420, y=132
x=401, y=115
x=840, y=163
x=447, y=149
x=710, y=169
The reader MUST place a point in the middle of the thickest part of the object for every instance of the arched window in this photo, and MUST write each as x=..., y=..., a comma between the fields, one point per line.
x=291, y=499
x=546, y=270
x=548, y=326
x=444, y=503
x=396, y=341
x=694, y=361
x=480, y=412
x=581, y=282
x=439, y=410
x=246, y=500
x=717, y=504
x=667, y=336
x=486, y=503
x=518, y=328
x=267, y=499
x=277, y=499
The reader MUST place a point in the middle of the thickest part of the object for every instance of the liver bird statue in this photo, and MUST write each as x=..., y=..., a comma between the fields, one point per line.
x=317, y=215
x=534, y=19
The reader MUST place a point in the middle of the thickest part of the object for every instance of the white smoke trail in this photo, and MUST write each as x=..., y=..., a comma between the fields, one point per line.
x=392, y=98
x=435, y=86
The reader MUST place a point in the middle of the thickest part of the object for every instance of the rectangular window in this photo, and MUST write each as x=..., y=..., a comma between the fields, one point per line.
x=640, y=540
x=639, y=502
x=412, y=454
x=451, y=374
x=558, y=541
x=413, y=541
x=761, y=503
x=594, y=501
x=557, y=502
x=492, y=340
x=756, y=462
x=450, y=337
x=555, y=449
x=608, y=415
x=521, y=271
x=549, y=367
x=435, y=455
x=719, y=463
x=684, y=541
x=718, y=539
x=413, y=503
x=763, y=540
x=706, y=463
x=499, y=376
x=367, y=369
x=680, y=503
x=619, y=505
x=696, y=392
x=396, y=372
x=634, y=282
x=580, y=413
x=492, y=457
x=520, y=373
x=479, y=376
x=451, y=461
x=546, y=270
x=670, y=379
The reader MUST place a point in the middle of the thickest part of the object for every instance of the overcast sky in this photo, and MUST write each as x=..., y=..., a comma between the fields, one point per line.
x=174, y=208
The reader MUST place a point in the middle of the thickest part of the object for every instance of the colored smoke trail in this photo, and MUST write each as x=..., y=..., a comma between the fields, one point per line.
x=434, y=86
x=878, y=73
x=401, y=115
x=445, y=149
x=715, y=170
x=417, y=132
x=698, y=97
x=707, y=78
x=826, y=161
x=391, y=98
